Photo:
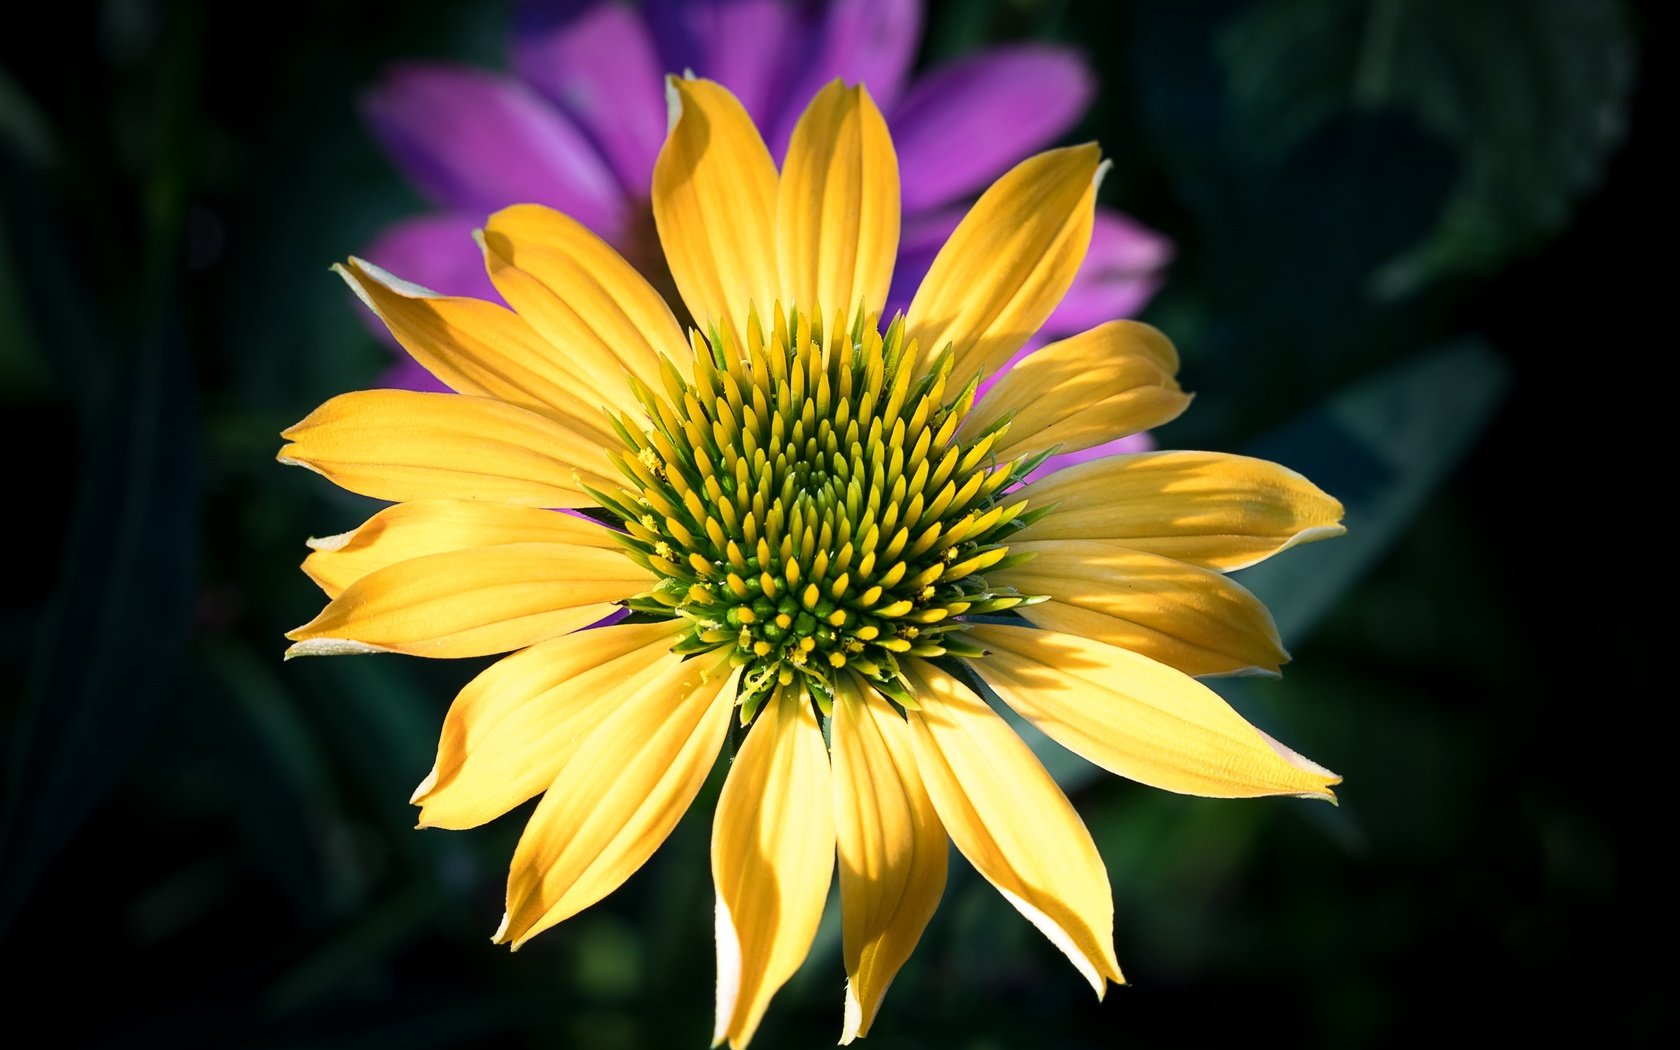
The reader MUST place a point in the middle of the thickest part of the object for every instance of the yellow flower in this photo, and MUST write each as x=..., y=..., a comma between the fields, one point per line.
x=824, y=538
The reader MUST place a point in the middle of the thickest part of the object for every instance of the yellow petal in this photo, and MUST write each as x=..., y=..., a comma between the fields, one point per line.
x=1009, y=262
x=404, y=445
x=1211, y=509
x=837, y=211
x=414, y=530
x=512, y=727
x=714, y=202
x=483, y=349
x=473, y=602
x=1138, y=718
x=619, y=794
x=1112, y=381
x=772, y=860
x=1186, y=617
x=891, y=845
x=1012, y=822
x=582, y=297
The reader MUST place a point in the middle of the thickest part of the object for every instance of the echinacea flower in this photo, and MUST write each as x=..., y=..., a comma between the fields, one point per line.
x=579, y=123
x=825, y=544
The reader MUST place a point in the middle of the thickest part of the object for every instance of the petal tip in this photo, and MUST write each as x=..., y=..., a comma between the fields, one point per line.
x=328, y=646
x=425, y=788
x=360, y=273
x=674, y=111
x=289, y=457
x=852, y=1026
x=327, y=544
x=1326, y=777
x=728, y=971
x=312, y=569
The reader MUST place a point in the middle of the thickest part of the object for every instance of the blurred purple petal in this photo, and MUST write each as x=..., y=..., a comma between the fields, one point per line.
x=1134, y=443
x=869, y=42
x=748, y=46
x=436, y=252
x=986, y=382
x=1121, y=272
x=919, y=240
x=964, y=124
x=477, y=142
x=595, y=58
x=617, y=615
x=926, y=232
x=406, y=375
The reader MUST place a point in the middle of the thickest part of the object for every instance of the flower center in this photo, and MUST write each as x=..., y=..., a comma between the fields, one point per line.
x=811, y=504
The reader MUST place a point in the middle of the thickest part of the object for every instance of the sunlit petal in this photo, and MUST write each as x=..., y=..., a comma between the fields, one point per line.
x=837, y=213
x=472, y=602
x=414, y=530
x=1005, y=268
x=1013, y=823
x=1211, y=509
x=891, y=845
x=714, y=201
x=1140, y=719
x=403, y=445
x=510, y=728
x=618, y=793
x=772, y=860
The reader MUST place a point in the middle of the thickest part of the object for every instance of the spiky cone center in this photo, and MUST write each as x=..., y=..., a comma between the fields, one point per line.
x=808, y=503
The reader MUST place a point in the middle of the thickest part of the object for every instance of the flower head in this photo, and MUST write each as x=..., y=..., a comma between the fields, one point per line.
x=580, y=121
x=814, y=520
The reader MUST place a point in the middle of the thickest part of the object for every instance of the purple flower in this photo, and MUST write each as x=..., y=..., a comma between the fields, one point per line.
x=580, y=123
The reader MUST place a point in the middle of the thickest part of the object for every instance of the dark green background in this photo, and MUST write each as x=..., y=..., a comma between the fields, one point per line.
x=1424, y=256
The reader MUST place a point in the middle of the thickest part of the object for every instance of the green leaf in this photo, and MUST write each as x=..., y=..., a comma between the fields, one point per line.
x=112, y=636
x=23, y=130
x=290, y=810
x=1381, y=447
x=365, y=944
x=1532, y=97
x=25, y=376
x=384, y=721
x=118, y=621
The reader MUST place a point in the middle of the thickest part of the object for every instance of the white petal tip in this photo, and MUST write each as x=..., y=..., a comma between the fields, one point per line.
x=1296, y=759
x=728, y=971
x=331, y=647
x=852, y=1026
x=501, y=931
x=1086, y=965
x=425, y=787
x=673, y=114
x=1313, y=535
x=329, y=543
x=390, y=280
x=1246, y=672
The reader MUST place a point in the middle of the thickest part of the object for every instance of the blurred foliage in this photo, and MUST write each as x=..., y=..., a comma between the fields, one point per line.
x=1530, y=97
x=1389, y=215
